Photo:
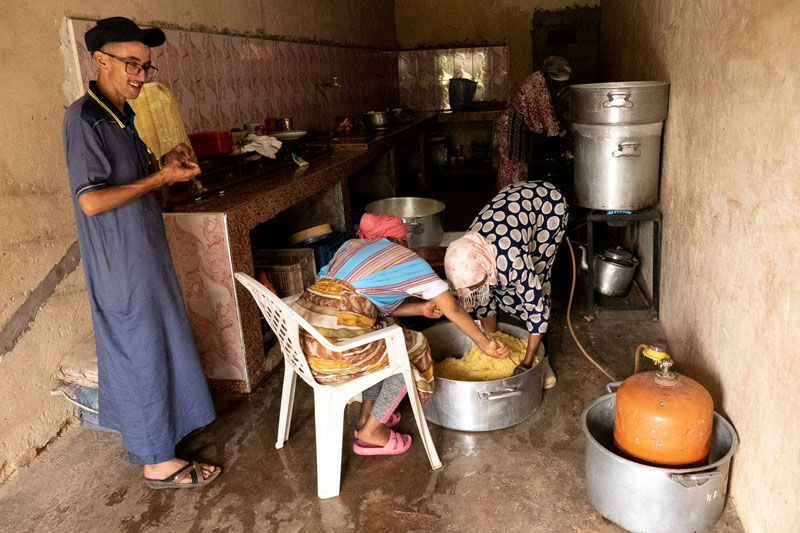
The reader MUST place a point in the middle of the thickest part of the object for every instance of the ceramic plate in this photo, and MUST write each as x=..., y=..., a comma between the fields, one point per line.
x=287, y=135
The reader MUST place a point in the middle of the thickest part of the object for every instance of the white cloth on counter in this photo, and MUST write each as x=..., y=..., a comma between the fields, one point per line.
x=263, y=144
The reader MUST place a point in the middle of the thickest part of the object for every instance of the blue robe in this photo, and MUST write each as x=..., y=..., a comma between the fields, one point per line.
x=151, y=385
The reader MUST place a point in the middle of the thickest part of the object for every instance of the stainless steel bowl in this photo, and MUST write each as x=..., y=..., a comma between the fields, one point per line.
x=479, y=405
x=377, y=120
x=421, y=216
x=641, y=497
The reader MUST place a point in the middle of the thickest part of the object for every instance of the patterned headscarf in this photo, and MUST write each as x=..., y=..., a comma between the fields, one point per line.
x=377, y=226
x=467, y=261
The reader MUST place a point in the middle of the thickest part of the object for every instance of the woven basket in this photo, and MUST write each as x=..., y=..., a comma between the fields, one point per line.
x=290, y=270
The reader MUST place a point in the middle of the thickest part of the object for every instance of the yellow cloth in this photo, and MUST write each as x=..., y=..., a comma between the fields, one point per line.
x=477, y=366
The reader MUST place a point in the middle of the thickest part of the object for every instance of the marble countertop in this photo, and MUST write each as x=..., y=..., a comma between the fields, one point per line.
x=262, y=197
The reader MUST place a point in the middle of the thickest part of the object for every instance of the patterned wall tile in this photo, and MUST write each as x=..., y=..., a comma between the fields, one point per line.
x=428, y=90
x=223, y=81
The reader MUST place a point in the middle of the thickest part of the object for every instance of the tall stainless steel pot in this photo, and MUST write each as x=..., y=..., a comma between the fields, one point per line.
x=421, y=216
x=650, y=499
x=632, y=102
x=479, y=405
x=616, y=167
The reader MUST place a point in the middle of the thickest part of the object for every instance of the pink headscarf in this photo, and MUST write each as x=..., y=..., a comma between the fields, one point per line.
x=377, y=226
x=468, y=260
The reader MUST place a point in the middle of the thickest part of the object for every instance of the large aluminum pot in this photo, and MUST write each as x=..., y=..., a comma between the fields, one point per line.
x=613, y=271
x=479, y=405
x=651, y=499
x=616, y=167
x=632, y=102
x=421, y=216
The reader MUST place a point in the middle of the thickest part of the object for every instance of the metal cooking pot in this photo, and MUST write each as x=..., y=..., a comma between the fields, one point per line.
x=377, y=120
x=652, y=499
x=479, y=405
x=613, y=271
x=421, y=216
x=616, y=167
x=632, y=102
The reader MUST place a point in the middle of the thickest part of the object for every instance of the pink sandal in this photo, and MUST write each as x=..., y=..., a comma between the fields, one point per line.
x=394, y=419
x=397, y=444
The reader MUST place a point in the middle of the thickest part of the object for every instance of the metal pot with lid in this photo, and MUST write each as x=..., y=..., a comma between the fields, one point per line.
x=613, y=271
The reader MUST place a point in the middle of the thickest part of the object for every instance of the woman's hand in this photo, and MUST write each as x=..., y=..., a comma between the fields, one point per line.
x=431, y=310
x=424, y=396
x=497, y=350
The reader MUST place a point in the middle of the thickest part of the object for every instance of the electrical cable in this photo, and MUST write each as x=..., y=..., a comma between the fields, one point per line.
x=569, y=308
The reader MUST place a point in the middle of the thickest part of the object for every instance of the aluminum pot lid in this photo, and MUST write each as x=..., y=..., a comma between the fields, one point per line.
x=618, y=254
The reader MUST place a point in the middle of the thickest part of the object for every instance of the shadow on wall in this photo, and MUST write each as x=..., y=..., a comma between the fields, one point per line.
x=691, y=362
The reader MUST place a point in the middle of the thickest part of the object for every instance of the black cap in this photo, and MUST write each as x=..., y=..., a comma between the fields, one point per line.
x=121, y=30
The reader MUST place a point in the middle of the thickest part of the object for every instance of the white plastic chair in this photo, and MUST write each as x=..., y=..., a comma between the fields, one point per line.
x=331, y=399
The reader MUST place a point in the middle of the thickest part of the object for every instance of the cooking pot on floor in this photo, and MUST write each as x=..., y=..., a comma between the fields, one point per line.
x=479, y=405
x=653, y=499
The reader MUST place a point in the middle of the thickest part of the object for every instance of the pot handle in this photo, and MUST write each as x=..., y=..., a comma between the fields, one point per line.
x=627, y=149
x=414, y=228
x=618, y=99
x=612, y=387
x=499, y=394
x=695, y=479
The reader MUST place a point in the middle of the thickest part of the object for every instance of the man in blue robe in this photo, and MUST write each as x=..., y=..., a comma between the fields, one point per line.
x=151, y=385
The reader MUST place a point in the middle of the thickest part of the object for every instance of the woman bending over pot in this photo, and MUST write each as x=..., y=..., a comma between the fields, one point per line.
x=504, y=261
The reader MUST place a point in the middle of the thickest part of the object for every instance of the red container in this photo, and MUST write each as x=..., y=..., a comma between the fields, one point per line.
x=211, y=142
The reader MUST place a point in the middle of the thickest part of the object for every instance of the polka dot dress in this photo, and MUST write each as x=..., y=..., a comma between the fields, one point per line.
x=525, y=222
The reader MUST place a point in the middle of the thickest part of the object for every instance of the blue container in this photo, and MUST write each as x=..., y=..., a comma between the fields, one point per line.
x=324, y=247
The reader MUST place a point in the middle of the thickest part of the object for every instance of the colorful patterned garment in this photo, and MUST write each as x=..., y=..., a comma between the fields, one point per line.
x=365, y=281
x=533, y=102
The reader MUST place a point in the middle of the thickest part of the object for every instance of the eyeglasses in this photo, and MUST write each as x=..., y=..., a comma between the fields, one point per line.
x=133, y=68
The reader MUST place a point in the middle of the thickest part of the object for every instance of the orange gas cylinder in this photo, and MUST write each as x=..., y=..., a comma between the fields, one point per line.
x=663, y=417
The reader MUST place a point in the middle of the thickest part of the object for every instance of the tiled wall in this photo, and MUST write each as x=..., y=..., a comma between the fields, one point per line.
x=222, y=81
x=424, y=75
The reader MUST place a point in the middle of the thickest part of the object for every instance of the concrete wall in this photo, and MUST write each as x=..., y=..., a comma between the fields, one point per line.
x=443, y=23
x=729, y=193
x=38, y=227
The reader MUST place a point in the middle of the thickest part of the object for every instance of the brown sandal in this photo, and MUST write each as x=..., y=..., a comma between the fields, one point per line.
x=175, y=480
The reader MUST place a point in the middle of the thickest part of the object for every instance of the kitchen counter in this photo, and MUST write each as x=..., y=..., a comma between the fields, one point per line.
x=210, y=241
x=262, y=197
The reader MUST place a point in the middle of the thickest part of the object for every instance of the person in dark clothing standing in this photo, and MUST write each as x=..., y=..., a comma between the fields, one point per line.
x=151, y=385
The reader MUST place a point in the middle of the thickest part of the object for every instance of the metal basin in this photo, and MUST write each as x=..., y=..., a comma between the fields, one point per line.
x=421, y=216
x=623, y=102
x=644, y=498
x=479, y=405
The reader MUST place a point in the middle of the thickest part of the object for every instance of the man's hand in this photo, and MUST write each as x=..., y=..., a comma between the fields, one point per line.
x=176, y=171
x=431, y=310
x=181, y=153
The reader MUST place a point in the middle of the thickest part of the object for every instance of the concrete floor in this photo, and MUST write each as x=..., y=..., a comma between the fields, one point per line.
x=529, y=477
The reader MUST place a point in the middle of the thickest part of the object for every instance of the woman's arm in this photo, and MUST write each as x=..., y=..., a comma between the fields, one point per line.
x=424, y=308
x=456, y=314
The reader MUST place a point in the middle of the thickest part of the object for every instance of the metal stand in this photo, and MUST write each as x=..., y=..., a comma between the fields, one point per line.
x=643, y=215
